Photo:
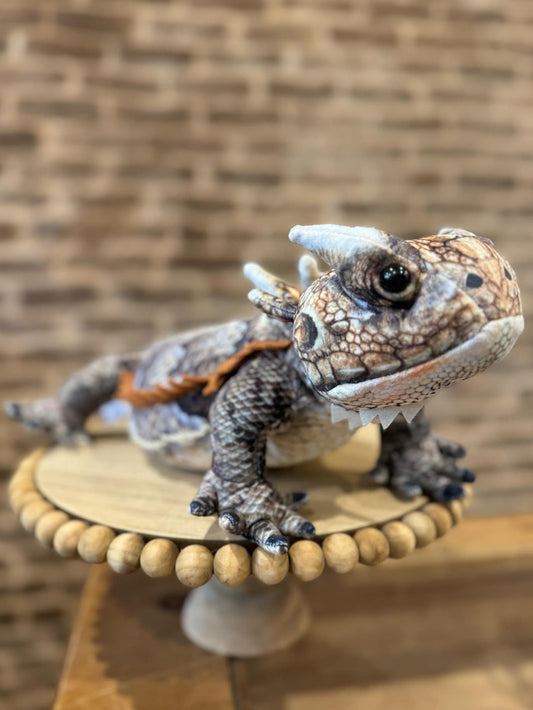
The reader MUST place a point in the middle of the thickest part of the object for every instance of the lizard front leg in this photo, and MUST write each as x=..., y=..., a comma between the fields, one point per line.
x=255, y=400
x=413, y=461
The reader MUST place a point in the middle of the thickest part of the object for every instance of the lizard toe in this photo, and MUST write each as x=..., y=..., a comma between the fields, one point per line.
x=13, y=410
x=380, y=475
x=265, y=534
x=231, y=521
x=296, y=499
x=406, y=488
x=451, y=491
x=306, y=530
x=276, y=544
x=202, y=506
x=468, y=476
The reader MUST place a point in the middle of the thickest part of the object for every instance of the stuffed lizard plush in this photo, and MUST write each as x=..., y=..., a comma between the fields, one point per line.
x=388, y=326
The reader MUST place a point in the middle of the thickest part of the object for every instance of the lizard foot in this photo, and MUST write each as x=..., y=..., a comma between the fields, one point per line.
x=255, y=511
x=414, y=461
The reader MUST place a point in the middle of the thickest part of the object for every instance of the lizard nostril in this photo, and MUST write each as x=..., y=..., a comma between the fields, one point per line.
x=473, y=281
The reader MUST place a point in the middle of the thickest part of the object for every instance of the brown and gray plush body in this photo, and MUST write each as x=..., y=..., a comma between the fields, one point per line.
x=391, y=324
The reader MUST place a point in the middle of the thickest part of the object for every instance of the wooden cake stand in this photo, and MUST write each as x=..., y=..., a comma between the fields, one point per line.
x=107, y=502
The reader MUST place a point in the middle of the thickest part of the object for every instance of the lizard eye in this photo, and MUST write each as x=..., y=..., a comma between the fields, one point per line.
x=395, y=283
x=394, y=278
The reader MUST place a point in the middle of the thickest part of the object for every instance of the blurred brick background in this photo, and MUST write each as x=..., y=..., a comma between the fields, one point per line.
x=148, y=148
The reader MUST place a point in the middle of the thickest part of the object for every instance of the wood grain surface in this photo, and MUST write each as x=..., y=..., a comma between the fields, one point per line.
x=127, y=652
x=447, y=628
x=112, y=483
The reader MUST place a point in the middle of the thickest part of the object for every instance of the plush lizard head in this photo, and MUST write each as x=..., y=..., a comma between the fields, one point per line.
x=394, y=321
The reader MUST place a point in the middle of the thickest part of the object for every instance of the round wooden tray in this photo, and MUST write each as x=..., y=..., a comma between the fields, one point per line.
x=108, y=502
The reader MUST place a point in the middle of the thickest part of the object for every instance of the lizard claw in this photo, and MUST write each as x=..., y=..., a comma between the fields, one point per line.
x=451, y=491
x=296, y=499
x=265, y=534
x=450, y=448
x=468, y=476
x=406, y=489
x=202, y=506
x=231, y=521
x=380, y=475
x=306, y=530
x=276, y=544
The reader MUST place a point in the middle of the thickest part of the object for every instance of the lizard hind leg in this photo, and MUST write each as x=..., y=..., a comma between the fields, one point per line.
x=64, y=415
x=45, y=415
x=414, y=461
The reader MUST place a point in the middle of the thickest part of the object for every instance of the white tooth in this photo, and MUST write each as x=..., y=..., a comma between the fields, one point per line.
x=354, y=420
x=410, y=411
x=387, y=415
x=338, y=414
x=367, y=415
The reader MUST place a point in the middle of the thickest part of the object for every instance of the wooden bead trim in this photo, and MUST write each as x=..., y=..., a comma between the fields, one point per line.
x=232, y=563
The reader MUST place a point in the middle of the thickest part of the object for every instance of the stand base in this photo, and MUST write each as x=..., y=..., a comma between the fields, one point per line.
x=246, y=621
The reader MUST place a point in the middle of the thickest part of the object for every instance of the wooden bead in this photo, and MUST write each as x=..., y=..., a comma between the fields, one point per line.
x=456, y=509
x=33, y=512
x=67, y=538
x=307, y=560
x=469, y=492
x=48, y=525
x=94, y=543
x=423, y=527
x=441, y=516
x=194, y=565
x=24, y=475
x=28, y=464
x=341, y=552
x=19, y=498
x=124, y=553
x=20, y=483
x=401, y=539
x=158, y=557
x=231, y=565
x=373, y=546
x=269, y=568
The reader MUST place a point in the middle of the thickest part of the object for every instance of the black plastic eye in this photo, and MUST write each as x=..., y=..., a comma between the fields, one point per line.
x=396, y=283
x=394, y=278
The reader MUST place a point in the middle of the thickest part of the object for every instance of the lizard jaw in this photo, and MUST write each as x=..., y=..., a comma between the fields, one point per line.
x=417, y=384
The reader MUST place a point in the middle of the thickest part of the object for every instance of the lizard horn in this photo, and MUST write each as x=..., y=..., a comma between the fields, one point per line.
x=336, y=244
x=350, y=250
x=270, y=284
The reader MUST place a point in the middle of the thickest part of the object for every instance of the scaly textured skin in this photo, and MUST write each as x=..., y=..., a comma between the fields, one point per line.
x=363, y=346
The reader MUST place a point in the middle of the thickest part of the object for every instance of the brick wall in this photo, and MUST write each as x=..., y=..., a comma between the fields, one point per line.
x=147, y=149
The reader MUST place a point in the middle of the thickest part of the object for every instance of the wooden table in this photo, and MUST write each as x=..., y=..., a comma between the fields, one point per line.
x=450, y=628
